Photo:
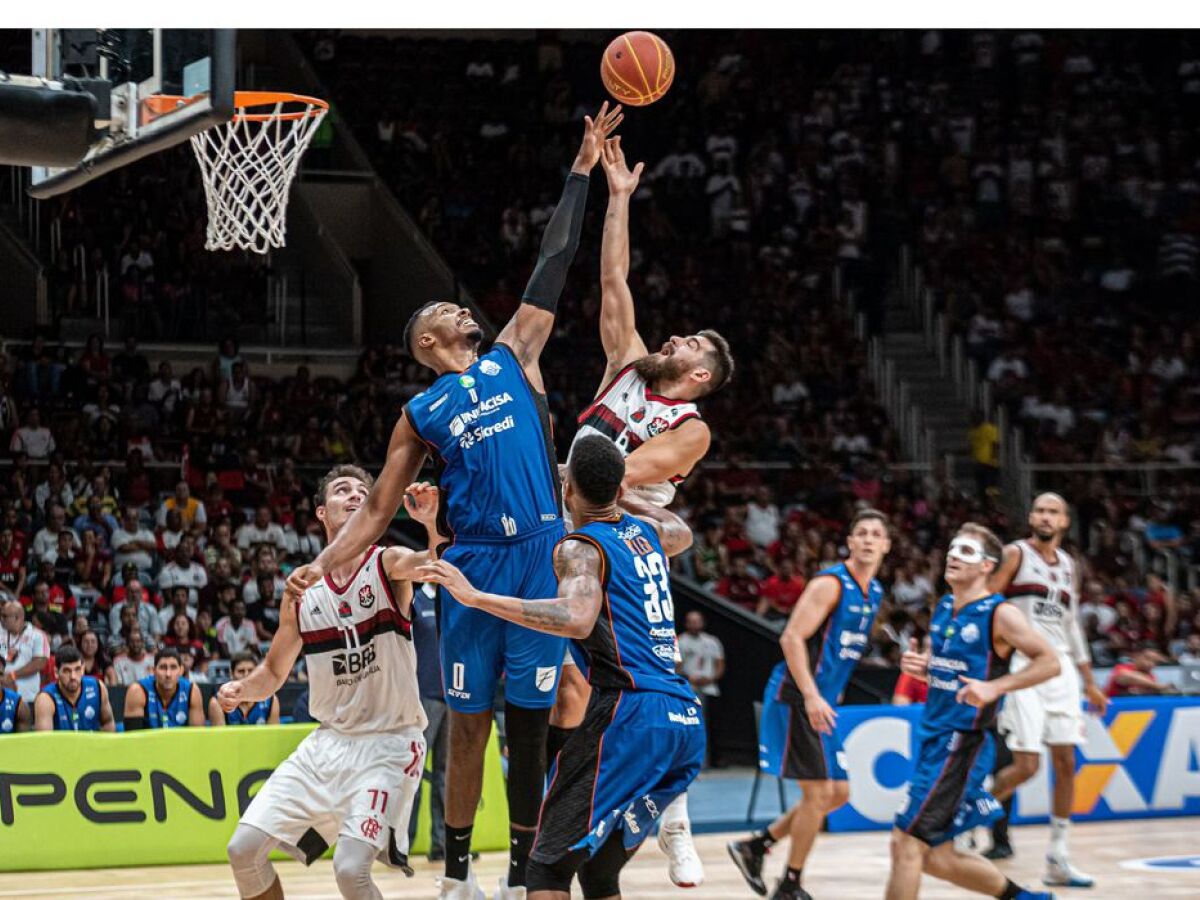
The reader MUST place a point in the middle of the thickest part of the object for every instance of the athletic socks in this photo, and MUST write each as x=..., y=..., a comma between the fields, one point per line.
x=791, y=878
x=520, y=842
x=761, y=842
x=1010, y=892
x=458, y=852
x=1058, y=836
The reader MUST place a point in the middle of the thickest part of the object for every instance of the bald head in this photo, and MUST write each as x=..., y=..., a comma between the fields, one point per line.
x=12, y=614
x=1051, y=497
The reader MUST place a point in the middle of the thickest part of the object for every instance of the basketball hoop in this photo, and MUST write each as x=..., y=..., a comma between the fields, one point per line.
x=248, y=164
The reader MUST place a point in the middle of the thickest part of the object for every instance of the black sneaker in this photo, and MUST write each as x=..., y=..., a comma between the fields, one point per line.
x=794, y=892
x=749, y=863
x=999, y=851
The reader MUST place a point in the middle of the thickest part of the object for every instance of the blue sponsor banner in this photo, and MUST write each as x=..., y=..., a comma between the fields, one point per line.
x=1142, y=760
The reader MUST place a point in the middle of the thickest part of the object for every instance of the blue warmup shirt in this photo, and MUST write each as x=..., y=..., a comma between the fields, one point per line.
x=10, y=700
x=961, y=645
x=83, y=714
x=490, y=433
x=258, y=715
x=175, y=715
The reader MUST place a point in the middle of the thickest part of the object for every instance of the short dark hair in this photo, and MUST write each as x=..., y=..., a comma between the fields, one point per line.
x=244, y=656
x=66, y=655
x=596, y=469
x=719, y=360
x=993, y=547
x=410, y=327
x=167, y=653
x=346, y=470
x=864, y=515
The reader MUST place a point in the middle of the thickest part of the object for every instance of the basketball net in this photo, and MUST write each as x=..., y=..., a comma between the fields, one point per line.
x=248, y=165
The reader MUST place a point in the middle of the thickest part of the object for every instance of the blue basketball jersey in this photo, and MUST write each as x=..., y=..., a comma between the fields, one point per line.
x=489, y=430
x=258, y=715
x=83, y=714
x=632, y=646
x=10, y=701
x=175, y=715
x=835, y=648
x=961, y=645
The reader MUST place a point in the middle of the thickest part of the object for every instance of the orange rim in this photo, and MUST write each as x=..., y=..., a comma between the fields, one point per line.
x=161, y=104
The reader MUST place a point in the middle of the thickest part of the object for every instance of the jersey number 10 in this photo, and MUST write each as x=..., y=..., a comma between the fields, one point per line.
x=653, y=571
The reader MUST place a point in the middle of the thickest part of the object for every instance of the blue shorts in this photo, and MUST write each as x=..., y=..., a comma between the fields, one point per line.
x=477, y=647
x=634, y=753
x=788, y=746
x=946, y=795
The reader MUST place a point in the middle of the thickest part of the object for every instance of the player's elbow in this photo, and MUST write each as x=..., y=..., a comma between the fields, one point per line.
x=680, y=538
x=1053, y=666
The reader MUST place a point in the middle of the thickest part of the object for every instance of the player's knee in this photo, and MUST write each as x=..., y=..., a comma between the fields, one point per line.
x=1064, y=764
x=246, y=848
x=1026, y=765
x=905, y=850
x=938, y=862
x=556, y=876
x=353, y=875
x=824, y=795
x=840, y=794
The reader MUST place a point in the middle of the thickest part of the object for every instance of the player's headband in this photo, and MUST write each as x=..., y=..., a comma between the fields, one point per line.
x=968, y=550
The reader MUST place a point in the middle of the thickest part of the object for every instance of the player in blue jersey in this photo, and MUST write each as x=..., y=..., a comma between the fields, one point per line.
x=165, y=699
x=486, y=423
x=257, y=712
x=75, y=702
x=826, y=635
x=641, y=742
x=14, y=712
x=973, y=634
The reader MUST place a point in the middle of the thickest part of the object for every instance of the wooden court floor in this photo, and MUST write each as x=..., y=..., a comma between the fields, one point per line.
x=844, y=867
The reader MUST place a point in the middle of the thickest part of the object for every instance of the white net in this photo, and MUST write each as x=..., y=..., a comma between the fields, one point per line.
x=248, y=165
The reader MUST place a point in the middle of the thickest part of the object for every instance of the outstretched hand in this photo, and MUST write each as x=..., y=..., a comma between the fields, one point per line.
x=421, y=501
x=448, y=576
x=595, y=132
x=620, y=179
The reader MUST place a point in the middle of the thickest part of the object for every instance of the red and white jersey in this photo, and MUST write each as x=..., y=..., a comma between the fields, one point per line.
x=362, y=668
x=629, y=414
x=1048, y=595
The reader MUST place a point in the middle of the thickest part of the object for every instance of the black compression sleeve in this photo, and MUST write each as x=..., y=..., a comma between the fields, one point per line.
x=559, y=243
x=135, y=723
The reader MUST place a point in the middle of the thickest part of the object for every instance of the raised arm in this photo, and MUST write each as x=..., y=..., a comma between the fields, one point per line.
x=572, y=614
x=405, y=454
x=1002, y=577
x=669, y=454
x=529, y=328
x=269, y=675
x=814, y=606
x=618, y=324
x=673, y=533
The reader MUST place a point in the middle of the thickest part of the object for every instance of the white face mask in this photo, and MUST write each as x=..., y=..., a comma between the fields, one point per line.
x=968, y=550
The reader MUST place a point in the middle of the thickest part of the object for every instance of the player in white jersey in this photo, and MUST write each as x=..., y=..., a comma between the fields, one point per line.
x=1043, y=580
x=646, y=405
x=353, y=779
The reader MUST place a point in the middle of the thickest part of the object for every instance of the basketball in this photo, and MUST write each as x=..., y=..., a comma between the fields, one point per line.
x=638, y=68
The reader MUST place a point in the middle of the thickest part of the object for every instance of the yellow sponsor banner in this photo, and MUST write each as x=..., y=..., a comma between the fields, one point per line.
x=73, y=800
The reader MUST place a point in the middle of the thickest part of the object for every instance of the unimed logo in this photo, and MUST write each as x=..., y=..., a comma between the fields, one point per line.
x=99, y=795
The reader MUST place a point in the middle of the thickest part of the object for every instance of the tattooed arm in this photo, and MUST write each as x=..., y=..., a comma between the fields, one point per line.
x=572, y=614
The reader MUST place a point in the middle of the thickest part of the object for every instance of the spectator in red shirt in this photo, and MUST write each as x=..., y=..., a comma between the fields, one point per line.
x=909, y=690
x=12, y=563
x=781, y=591
x=740, y=586
x=1136, y=678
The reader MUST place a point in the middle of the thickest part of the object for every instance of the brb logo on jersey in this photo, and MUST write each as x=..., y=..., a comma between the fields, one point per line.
x=366, y=596
x=353, y=661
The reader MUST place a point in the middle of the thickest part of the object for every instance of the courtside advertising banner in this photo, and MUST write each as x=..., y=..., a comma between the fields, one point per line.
x=1142, y=760
x=84, y=800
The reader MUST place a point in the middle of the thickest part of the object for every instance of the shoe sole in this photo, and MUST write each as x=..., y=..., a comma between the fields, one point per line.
x=741, y=867
x=1069, y=882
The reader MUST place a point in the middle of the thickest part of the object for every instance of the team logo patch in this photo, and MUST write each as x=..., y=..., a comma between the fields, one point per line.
x=970, y=632
x=366, y=596
x=371, y=828
x=89, y=713
x=489, y=367
x=658, y=426
x=545, y=677
x=639, y=415
x=344, y=609
x=181, y=717
x=466, y=381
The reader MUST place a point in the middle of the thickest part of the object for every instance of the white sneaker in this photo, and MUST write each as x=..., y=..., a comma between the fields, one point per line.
x=504, y=892
x=965, y=842
x=1060, y=873
x=453, y=889
x=683, y=863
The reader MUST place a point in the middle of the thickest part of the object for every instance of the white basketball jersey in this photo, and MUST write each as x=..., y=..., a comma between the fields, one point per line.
x=629, y=414
x=362, y=668
x=1046, y=593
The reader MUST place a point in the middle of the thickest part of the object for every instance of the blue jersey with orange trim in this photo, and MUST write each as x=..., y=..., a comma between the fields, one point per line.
x=835, y=648
x=961, y=644
x=10, y=702
x=175, y=713
x=489, y=430
x=632, y=645
x=258, y=715
x=84, y=713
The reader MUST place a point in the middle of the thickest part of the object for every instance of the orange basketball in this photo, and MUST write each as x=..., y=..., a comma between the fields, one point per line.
x=638, y=68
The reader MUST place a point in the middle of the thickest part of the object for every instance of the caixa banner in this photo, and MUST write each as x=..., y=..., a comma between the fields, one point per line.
x=71, y=800
x=1142, y=760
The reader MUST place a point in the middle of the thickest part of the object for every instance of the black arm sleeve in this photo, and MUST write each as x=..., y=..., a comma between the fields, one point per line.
x=559, y=243
x=135, y=723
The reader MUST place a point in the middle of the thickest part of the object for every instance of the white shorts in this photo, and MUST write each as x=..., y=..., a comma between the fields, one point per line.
x=359, y=786
x=1047, y=713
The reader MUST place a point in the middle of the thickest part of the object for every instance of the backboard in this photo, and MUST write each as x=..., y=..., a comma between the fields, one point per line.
x=129, y=71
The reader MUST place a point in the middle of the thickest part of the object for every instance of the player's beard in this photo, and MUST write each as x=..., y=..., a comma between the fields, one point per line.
x=474, y=337
x=1046, y=535
x=657, y=369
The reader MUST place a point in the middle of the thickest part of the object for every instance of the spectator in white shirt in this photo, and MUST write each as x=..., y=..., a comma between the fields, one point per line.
x=146, y=614
x=261, y=531
x=911, y=590
x=133, y=543
x=184, y=570
x=303, y=544
x=702, y=663
x=46, y=539
x=1007, y=365
x=135, y=663
x=762, y=519
x=265, y=563
x=178, y=605
x=235, y=632
x=55, y=488
x=24, y=650
x=790, y=395
x=33, y=438
x=172, y=533
x=163, y=392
